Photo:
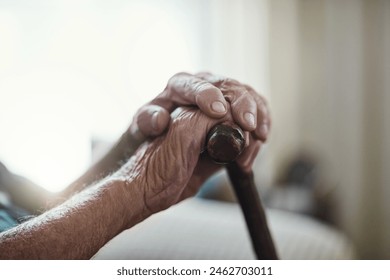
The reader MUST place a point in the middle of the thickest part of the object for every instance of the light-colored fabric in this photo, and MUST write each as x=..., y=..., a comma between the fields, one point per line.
x=205, y=229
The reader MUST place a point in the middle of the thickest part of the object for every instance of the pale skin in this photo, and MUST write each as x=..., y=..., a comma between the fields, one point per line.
x=119, y=192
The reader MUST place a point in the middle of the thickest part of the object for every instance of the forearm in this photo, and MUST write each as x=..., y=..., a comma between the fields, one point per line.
x=111, y=162
x=78, y=228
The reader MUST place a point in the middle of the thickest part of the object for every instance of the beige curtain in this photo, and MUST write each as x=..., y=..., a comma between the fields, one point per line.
x=330, y=93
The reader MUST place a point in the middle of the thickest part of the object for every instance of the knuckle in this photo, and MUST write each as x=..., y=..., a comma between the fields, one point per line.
x=244, y=100
x=230, y=81
x=180, y=74
x=263, y=109
x=200, y=85
x=258, y=97
x=203, y=74
x=176, y=78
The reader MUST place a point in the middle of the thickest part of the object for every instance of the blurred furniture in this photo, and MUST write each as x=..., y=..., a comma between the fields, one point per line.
x=201, y=228
x=302, y=188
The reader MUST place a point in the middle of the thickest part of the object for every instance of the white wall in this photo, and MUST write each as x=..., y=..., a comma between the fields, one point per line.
x=330, y=75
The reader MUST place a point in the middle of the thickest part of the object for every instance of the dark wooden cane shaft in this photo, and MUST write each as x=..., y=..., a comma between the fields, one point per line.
x=248, y=197
x=225, y=143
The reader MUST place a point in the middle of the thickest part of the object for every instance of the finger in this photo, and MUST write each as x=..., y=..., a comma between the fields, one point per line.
x=152, y=120
x=246, y=136
x=210, y=100
x=263, y=116
x=264, y=123
x=244, y=111
x=221, y=82
x=215, y=80
x=247, y=158
x=185, y=89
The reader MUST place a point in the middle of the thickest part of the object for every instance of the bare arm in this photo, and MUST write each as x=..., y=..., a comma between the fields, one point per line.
x=77, y=228
x=145, y=184
x=111, y=162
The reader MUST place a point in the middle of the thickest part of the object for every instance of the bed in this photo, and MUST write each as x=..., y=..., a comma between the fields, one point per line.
x=199, y=228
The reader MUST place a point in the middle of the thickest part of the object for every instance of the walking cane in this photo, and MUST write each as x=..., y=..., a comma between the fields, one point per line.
x=225, y=142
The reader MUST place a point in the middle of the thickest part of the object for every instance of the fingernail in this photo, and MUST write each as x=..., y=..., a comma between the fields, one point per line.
x=218, y=107
x=155, y=120
x=263, y=130
x=250, y=118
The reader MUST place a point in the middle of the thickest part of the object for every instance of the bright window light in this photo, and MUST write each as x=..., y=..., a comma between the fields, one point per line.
x=72, y=73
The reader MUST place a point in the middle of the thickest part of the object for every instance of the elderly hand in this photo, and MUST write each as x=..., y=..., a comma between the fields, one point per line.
x=171, y=167
x=162, y=169
x=215, y=96
x=211, y=94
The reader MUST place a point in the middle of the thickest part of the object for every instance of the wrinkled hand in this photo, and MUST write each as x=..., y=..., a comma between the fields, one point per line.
x=171, y=167
x=215, y=96
x=167, y=169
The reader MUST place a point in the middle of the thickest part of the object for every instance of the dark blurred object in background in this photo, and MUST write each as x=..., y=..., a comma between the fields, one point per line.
x=302, y=189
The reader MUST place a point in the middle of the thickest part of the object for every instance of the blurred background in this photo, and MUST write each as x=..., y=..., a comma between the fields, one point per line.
x=74, y=72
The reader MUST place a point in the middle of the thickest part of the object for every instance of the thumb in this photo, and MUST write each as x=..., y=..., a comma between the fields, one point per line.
x=152, y=120
x=174, y=155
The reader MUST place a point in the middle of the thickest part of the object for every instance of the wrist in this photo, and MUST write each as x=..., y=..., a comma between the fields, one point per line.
x=129, y=196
